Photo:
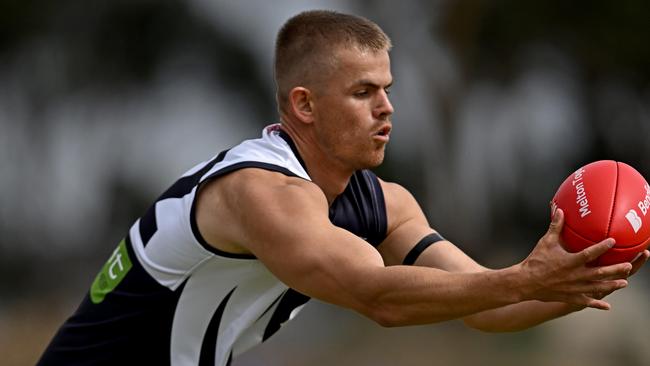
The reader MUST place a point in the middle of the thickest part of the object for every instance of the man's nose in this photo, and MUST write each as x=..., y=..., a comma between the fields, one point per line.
x=384, y=107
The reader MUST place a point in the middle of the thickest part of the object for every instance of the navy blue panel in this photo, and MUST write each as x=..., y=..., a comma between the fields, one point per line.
x=361, y=208
x=131, y=326
x=209, y=344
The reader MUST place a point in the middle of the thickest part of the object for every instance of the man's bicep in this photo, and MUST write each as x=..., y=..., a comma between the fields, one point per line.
x=412, y=241
x=431, y=250
x=407, y=224
x=286, y=226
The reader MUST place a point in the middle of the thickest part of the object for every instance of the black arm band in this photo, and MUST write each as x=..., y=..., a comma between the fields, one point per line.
x=420, y=247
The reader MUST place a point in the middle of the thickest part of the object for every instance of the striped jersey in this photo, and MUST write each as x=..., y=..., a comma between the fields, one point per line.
x=167, y=297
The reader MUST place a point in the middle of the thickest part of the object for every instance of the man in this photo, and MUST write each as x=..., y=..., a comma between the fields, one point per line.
x=239, y=242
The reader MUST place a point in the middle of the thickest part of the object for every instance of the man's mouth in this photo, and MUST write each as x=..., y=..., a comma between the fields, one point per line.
x=384, y=131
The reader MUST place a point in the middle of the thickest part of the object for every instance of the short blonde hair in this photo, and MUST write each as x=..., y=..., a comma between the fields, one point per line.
x=306, y=44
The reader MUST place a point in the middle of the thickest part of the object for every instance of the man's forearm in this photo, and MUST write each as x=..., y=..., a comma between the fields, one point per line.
x=520, y=316
x=419, y=295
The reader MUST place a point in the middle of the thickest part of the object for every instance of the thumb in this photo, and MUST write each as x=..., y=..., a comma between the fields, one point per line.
x=555, y=228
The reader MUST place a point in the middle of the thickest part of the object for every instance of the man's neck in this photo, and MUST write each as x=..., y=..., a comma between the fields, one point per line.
x=332, y=178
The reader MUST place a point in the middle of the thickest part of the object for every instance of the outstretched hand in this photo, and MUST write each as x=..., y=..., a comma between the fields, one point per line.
x=554, y=274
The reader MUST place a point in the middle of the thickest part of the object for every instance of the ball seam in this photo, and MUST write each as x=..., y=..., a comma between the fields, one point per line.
x=611, y=209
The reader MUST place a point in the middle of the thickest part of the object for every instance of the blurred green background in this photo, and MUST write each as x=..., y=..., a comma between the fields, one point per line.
x=104, y=103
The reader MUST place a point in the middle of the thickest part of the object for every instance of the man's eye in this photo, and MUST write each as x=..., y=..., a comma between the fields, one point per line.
x=361, y=93
x=387, y=90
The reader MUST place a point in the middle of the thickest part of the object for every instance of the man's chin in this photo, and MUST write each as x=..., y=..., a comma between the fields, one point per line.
x=374, y=161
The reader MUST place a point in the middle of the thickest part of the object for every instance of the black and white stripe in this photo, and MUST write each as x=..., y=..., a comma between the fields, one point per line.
x=186, y=303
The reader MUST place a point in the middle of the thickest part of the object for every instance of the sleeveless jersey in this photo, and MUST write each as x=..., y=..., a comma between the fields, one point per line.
x=166, y=297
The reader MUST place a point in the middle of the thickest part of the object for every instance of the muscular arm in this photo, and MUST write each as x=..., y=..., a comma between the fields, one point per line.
x=408, y=225
x=284, y=222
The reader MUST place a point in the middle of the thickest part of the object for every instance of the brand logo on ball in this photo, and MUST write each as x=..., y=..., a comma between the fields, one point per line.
x=606, y=198
x=633, y=217
x=581, y=194
x=645, y=204
x=634, y=220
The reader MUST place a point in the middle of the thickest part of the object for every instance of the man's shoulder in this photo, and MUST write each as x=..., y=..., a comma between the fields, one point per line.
x=398, y=199
x=262, y=185
x=260, y=177
x=393, y=188
x=251, y=200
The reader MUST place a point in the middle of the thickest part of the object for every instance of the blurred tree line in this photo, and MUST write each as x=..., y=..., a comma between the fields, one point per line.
x=600, y=45
x=51, y=50
x=104, y=103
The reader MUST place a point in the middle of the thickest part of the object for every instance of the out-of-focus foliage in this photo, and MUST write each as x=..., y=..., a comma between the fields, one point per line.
x=607, y=39
x=104, y=103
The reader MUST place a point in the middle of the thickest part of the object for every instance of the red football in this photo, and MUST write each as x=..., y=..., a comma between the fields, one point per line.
x=605, y=199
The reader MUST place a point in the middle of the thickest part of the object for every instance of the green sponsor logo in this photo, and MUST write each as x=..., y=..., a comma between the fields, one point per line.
x=111, y=274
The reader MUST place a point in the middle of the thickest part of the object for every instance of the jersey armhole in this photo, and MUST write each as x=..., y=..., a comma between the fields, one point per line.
x=229, y=169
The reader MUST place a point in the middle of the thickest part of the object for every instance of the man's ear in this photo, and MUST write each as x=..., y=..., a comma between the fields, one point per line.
x=300, y=104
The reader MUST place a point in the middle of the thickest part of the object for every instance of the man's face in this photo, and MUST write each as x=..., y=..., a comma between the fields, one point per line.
x=352, y=111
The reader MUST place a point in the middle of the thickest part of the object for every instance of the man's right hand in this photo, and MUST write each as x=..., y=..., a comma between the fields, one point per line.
x=554, y=274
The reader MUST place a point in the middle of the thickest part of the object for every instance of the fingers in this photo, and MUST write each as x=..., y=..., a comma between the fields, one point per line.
x=592, y=300
x=593, y=287
x=583, y=300
x=596, y=304
x=612, y=272
x=555, y=228
x=591, y=253
x=570, y=277
x=612, y=278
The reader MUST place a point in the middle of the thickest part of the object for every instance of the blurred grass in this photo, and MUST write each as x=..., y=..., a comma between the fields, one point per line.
x=327, y=335
x=27, y=325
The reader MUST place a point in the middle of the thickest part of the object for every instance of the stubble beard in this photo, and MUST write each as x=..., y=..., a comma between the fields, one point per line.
x=352, y=153
x=368, y=159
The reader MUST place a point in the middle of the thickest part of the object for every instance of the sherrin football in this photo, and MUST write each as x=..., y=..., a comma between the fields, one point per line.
x=605, y=199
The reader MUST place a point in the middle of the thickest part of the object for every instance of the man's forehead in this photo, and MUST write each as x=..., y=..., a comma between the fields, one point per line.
x=364, y=66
